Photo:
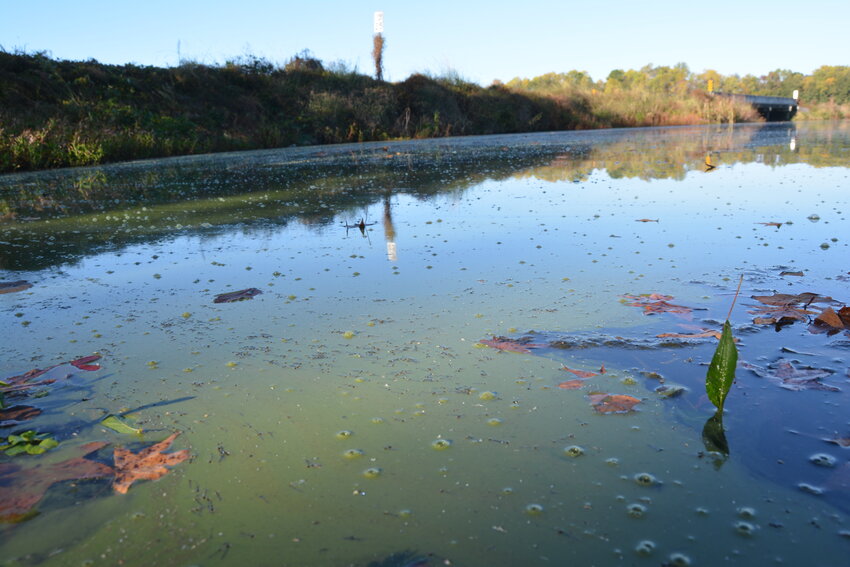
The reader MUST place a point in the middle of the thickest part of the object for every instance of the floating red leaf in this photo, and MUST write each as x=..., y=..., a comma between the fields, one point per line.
x=83, y=363
x=613, y=403
x=148, y=464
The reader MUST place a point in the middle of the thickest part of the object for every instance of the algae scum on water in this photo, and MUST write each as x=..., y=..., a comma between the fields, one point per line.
x=475, y=351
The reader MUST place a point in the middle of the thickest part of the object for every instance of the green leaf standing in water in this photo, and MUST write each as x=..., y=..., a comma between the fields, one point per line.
x=721, y=371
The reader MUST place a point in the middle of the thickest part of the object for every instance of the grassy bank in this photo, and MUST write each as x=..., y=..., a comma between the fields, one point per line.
x=62, y=113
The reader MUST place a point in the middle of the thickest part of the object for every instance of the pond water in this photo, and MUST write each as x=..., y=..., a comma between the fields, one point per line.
x=350, y=414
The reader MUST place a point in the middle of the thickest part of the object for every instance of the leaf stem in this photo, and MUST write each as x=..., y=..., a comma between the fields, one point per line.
x=740, y=281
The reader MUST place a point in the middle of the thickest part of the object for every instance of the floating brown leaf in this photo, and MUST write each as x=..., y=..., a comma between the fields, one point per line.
x=776, y=224
x=571, y=384
x=522, y=346
x=21, y=488
x=702, y=335
x=148, y=464
x=655, y=303
x=11, y=287
x=831, y=321
x=840, y=441
x=22, y=382
x=17, y=414
x=786, y=273
x=613, y=403
x=800, y=299
x=240, y=295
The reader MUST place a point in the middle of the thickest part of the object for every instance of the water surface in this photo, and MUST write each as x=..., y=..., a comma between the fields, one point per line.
x=376, y=331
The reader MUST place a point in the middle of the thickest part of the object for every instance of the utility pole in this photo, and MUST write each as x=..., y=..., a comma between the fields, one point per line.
x=378, y=45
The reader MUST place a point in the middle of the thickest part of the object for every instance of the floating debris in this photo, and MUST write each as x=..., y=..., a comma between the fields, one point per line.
x=234, y=296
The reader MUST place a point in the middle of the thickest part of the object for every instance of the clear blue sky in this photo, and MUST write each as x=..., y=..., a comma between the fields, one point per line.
x=480, y=40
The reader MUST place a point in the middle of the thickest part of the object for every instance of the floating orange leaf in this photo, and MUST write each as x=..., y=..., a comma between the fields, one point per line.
x=579, y=373
x=613, y=403
x=571, y=384
x=148, y=464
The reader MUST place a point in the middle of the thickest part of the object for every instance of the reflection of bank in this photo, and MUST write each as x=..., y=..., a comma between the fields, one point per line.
x=389, y=231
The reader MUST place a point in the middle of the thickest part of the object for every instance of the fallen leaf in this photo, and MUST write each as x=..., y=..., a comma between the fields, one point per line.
x=148, y=464
x=579, y=373
x=11, y=287
x=522, y=345
x=703, y=335
x=646, y=220
x=612, y=403
x=791, y=274
x=83, y=363
x=655, y=303
x=115, y=423
x=240, y=295
x=22, y=382
x=783, y=299
x=793, y=378
x=22, y=487
x=832, y=322
x=17, y=414
x=776, y=224
x=840, y=441
x=571, y=384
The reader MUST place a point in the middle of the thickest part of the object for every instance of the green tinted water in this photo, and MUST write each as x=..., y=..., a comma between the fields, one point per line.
x=376, y=333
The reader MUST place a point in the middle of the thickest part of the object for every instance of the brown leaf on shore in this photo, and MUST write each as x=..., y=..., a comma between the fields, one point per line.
x=21, y=488
x=613, y=403
x=571, y=384
x=148, y=464
x=579, y=373
x=655, y=303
